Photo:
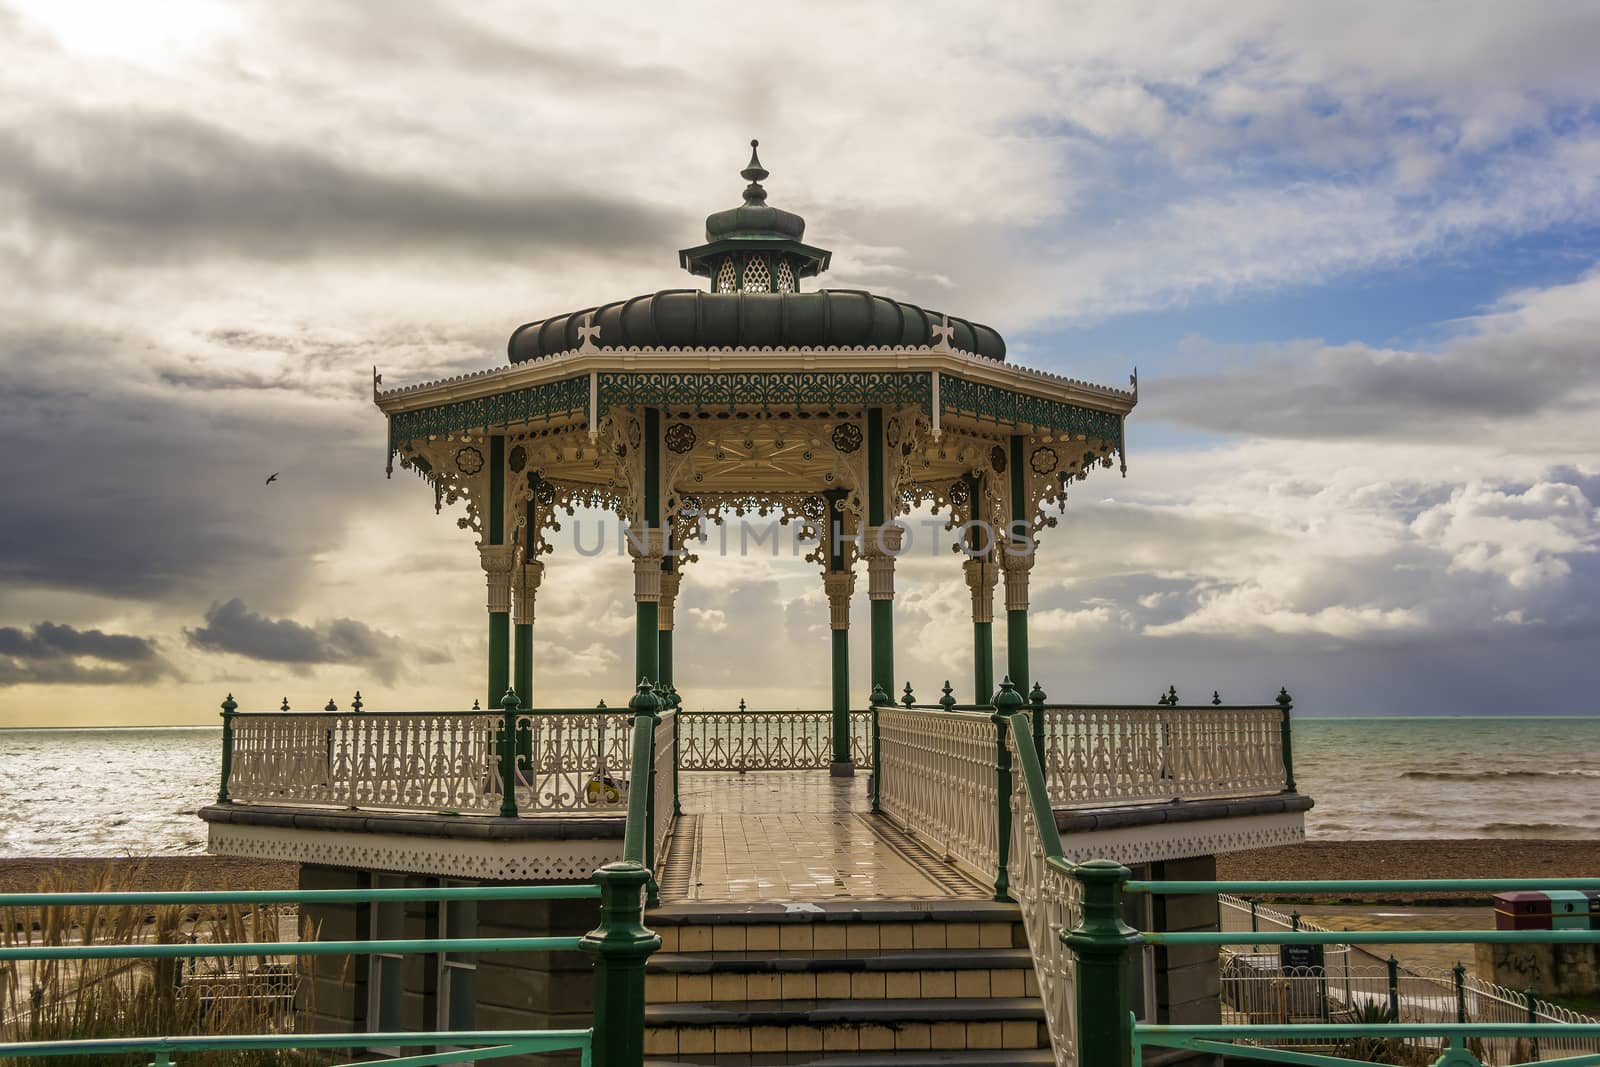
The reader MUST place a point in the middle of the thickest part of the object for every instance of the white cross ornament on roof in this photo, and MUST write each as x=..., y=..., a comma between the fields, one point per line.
x=942, y=334
x=588, y=333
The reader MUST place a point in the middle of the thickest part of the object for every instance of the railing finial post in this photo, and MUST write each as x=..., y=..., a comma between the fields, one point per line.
x=907, y=698
x=1394, y=988
x=620, y=946
x=229, y=708
x=1460, y=971
x=1286, y=703
x=948, y=701
x=285, y=705
x=331, y=705
x=647, y=701
x=508, y=755
x=1037, y=698
x=1216, y=697
x=355, y=704
x=1007, y=702
x=1104, y=945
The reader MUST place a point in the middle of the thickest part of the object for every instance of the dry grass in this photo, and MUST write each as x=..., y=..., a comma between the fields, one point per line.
x=53, y=1000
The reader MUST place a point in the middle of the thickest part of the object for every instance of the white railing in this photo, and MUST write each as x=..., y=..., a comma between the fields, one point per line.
x=1108, y=756
x=1051, y=902
x=663, y=785
x=939, y=783
x=767, y=740
x=567, y=761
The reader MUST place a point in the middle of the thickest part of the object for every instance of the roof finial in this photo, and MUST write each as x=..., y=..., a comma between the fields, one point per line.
x=755, y=174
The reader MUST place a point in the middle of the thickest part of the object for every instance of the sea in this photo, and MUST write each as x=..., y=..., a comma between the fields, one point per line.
x=134, y=792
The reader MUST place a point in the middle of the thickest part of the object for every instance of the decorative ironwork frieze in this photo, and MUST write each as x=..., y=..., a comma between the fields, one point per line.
x=1018, y=409
x=700, y=390
x=545, y=401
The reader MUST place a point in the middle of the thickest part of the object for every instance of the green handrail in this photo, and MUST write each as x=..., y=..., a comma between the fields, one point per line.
x=1366, y=885
x=1379, y=937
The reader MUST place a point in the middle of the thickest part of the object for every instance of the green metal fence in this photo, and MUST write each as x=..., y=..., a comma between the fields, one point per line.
x=619, y=945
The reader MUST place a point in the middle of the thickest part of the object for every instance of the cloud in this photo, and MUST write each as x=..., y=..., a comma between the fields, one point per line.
x=232, y=627
x=53, y=654
x=139, y=186
x=1535, y=355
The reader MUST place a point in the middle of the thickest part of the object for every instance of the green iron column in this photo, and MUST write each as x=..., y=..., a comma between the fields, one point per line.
x=620, y=946
x=881, y=545
x=981, y=575
x=671, y=582
x=526, y=590
x=497, y=558
x=1016, y=560
x=647, y=545
x=839, y=584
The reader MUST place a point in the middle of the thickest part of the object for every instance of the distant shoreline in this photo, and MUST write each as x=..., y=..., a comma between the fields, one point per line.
x=1313, y=860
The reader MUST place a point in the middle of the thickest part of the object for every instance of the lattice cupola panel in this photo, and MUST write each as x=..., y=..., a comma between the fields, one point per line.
x=785, y=281
x=757, y=279
x=727, y=278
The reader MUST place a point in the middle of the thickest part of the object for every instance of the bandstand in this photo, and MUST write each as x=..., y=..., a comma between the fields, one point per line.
x=873, y=879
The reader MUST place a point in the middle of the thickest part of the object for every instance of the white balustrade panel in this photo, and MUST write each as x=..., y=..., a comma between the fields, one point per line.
x=939, y=783
x=581, y=761
x=663, y=794
x=1098, y=757
x=1050, y=901
x=767, y=740
x=433, y=761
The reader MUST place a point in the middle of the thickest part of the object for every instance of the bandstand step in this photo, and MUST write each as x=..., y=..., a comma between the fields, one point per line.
x=961, y=973
x=962, y=1058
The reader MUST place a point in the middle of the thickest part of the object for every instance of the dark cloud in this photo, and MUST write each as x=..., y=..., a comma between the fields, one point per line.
x=233, y=628
x=53, y=654
x=139, y=186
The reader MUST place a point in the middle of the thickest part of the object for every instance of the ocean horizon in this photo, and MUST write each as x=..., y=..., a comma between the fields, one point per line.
x=134, y=790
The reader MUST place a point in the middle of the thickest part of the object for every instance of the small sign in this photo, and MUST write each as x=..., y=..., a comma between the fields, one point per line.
x=1300, y=957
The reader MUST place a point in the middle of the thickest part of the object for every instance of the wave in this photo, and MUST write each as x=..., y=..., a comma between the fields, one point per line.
x=1536, y=829
x=1501, y=775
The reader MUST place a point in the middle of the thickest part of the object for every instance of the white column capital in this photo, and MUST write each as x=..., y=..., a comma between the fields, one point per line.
x=839, y=586
x=526, y=590
x=1017, y=562
x=881, y=544
x=671, y=581
x=982, y=574
x=497, y=561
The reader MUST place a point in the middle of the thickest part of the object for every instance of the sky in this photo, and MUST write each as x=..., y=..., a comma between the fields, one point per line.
x=1353, y=251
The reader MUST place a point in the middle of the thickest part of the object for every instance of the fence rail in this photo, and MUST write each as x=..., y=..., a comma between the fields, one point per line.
x=939, y=783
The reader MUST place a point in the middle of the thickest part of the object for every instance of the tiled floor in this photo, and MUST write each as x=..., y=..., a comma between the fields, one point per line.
x=795, y=836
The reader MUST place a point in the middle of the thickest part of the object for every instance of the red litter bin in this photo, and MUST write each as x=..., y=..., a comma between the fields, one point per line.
x=1522, y=910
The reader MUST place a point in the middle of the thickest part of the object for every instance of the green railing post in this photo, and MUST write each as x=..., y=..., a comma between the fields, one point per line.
x=1037, y=698
x=620, y=946
x=1103, y=945
x=229, y=709
x=645, y=702
x=1394, y=988
x=874, y=702
x=1460, y=971
x=508, y=755
x=1007, y=702
x=1286, y=703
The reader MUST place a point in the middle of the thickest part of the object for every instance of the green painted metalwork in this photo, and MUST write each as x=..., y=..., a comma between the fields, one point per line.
x=1037, y=698
x=1006, y=704
x=1018, y=409
x=229, y=708
x=1104, y=947
x=1221, y=1040
x=1017, y=621
x=652, y=469
x=620, y=946
x=1287, y=705
x=882, y=619
x=841, y=696
x=664, y=655
x=1379, y=937
x=490, y=1044
x=499, y=656
x=300, y=896
x=647, y=638
x=288, y=948
x=982, y=662
x=508, y=755
x=497, y=489
x=878, y=699
x=794, y=390
x=550, y=400
x=522, y=661
x=1362, y=885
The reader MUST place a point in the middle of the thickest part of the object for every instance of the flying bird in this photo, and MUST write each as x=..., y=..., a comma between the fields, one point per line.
x=272, y=478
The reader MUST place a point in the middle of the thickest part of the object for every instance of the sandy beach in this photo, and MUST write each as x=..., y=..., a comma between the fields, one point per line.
x=1312, y=860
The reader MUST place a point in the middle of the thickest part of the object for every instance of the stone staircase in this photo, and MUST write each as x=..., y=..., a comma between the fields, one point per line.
x=858, y=984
